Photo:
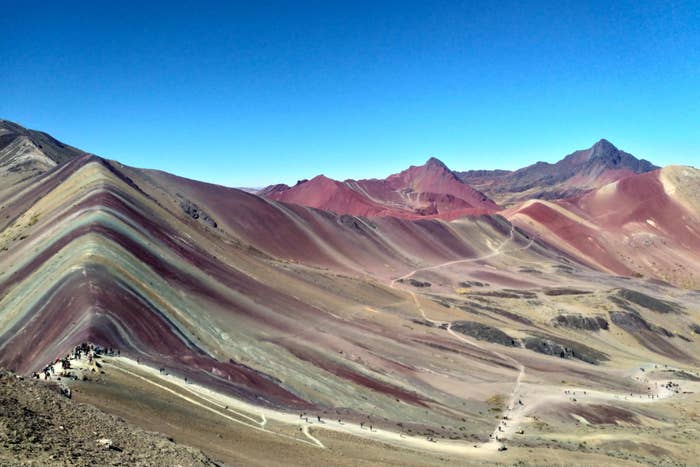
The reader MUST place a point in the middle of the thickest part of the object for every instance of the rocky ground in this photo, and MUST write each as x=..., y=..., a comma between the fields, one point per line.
x=39, y=426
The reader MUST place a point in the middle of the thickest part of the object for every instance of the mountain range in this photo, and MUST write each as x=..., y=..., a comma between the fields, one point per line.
x=399, y=320
x=434, y=190
x=577, y=173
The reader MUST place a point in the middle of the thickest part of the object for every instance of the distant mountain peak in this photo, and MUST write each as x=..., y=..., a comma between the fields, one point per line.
x=578, y=172
x=603, y=149
x=605, y=144
x=434, y=190
x=435, y=162
x=610, y=156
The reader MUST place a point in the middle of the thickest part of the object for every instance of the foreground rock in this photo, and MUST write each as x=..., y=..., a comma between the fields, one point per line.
x=38, y=426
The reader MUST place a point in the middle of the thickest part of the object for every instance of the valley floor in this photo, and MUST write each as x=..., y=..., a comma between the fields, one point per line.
x=583, y=431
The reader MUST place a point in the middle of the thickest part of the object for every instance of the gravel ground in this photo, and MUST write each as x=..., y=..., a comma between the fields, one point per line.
x=38, y=426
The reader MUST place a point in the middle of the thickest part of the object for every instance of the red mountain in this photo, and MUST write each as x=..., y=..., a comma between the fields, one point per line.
x=430, y=190
x=646, y=224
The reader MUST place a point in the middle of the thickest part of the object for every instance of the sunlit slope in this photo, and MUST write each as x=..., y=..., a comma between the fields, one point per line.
x=300, y=309
x=98, y=258
x=644, y=225
x=380, y=246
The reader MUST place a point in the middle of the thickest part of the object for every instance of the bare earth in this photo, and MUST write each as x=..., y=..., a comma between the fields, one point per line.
x=38, y=426
x=561, y=332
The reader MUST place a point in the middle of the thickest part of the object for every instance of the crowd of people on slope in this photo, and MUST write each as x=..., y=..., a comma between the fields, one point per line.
x=60, y=367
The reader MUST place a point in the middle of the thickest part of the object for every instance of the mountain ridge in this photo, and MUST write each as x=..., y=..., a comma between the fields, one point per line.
x=574, y=174
x=42, y=144
x=278, y=318
x=431, y=189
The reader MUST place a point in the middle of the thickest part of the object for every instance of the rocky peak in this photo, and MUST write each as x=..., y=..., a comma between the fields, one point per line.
x=435, y=162
x=604, y=149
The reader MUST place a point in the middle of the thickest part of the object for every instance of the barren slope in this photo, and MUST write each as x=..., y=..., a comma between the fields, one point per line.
x=430, y=190
x=275, y=333
x=647, y=225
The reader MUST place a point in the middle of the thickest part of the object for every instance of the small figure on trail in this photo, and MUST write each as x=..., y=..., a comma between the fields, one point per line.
x=362, y=425
x=319, y=418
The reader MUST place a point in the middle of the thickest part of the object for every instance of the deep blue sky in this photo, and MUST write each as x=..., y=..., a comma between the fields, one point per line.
x=250, y=94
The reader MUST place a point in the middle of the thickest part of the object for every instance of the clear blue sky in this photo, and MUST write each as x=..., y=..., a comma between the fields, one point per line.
x=246, y=95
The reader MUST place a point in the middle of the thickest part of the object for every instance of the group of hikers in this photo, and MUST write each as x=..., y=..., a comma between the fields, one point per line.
x=90, y=351
x=63, y=365
x=93, y=349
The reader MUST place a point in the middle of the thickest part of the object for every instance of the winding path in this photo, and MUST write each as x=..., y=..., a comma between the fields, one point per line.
x=502, y=430
x=448, y=325
x=239, y=412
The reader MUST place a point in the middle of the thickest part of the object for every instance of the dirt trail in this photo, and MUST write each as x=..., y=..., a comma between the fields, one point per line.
x=494, y=437
x=515, y=412
x=244, y=413
x=225, y=406
x=257, y=418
